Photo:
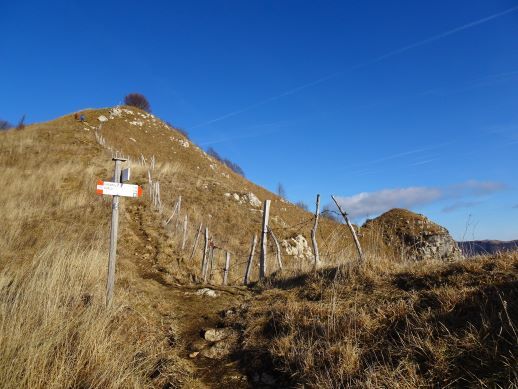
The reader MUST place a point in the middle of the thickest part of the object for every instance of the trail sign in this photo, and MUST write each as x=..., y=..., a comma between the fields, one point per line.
x=124, y=176
x=118, y=189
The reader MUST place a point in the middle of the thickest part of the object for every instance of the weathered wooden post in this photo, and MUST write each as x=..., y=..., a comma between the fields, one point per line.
x=277, y=248
x=196, y=241
x=264, y=237
x=116, y=189
x=175, y=210
x=351, y=228
x=184, y=238
x=314, y=235
x=114, y=230
x=212, y=264
x=205, y=252
x=250, y=260
x=226, y=269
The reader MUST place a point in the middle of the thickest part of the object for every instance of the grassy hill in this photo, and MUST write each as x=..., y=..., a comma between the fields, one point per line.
x=386, y=322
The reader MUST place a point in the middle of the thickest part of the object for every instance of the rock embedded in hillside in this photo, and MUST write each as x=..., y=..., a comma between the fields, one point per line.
x=217, y=334
x=206, y=292
x=414, y=236
x=246, y=198
x=218, y=350
x=297, y=247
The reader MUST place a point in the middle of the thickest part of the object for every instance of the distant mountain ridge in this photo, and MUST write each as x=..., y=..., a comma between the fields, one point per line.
x=479, y=247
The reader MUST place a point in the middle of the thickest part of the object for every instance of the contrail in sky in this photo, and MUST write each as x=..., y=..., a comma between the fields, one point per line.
x=359, y=66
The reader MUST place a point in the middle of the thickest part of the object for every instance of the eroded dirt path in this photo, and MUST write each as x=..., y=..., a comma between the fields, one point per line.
x=181, y=309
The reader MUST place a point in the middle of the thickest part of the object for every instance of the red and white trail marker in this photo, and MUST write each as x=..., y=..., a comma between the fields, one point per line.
x=118, y=189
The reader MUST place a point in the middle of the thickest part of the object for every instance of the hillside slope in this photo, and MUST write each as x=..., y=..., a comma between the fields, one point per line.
x=53, y=252
x=388, y=321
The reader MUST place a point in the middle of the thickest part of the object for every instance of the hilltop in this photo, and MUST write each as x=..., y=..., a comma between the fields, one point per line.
x=389, y=321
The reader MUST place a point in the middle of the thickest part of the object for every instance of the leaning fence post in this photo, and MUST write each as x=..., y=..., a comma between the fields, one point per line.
x=176, y=209
x=314, y=235
x=250, y=260
x=227, y=267
x=262, y=263
x=277, y=248
x=356, y=241
x=196, y=241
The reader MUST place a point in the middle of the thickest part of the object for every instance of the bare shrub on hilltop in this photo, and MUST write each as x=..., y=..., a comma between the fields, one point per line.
x=137, y=100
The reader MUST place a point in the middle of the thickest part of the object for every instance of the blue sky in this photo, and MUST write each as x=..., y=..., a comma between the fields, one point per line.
x=400, y=103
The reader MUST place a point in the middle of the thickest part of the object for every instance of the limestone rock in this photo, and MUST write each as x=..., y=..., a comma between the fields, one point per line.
x=206, y=292
x=297, y=247
x=217, y=334
x=246, y=198
x=414, y=236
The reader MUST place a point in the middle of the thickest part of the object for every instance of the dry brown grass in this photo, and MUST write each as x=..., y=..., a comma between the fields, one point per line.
x=54, y=328
x=56, y=332
x=385, y=324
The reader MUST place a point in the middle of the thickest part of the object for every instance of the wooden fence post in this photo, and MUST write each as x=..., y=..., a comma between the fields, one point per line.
x=277, y=248
x=211, y=259
x=226, y=269
x=250, y=260
x=206, y=248
x=176, y=210
x=314, y=235
x=179, y=202
x=184, y=232
x=356, y=241
x=263, y=257
x=196, y=241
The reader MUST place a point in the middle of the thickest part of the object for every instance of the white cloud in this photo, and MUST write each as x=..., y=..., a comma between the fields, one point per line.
x=374, y=203
x=365, y=204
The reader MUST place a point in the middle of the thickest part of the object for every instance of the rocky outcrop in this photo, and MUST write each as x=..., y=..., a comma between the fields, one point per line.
x=245, y=198
x=297, y=247
x=413, y=236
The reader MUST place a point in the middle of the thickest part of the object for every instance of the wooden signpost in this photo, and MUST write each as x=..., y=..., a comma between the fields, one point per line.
x=116, y=189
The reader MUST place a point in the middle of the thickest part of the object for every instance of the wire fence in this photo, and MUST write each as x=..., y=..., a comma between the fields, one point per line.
x=329, y=245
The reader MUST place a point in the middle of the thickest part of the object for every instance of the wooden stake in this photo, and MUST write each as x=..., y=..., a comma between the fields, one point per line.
x=211, y=263
x=110, y=282
x=179, y=202
x=196, y=242
x=356, y=241
x=250, y=260
x=184, y=232
x=314, y=235
x=277, y=248
x=176, y=210
x=204, y=261
x=227, y=268
x=264, y=237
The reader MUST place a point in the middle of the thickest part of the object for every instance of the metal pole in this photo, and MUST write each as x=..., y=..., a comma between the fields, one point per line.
x=110, y=283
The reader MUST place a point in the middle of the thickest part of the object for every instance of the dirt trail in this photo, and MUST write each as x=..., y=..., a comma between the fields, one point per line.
x=179, y=305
